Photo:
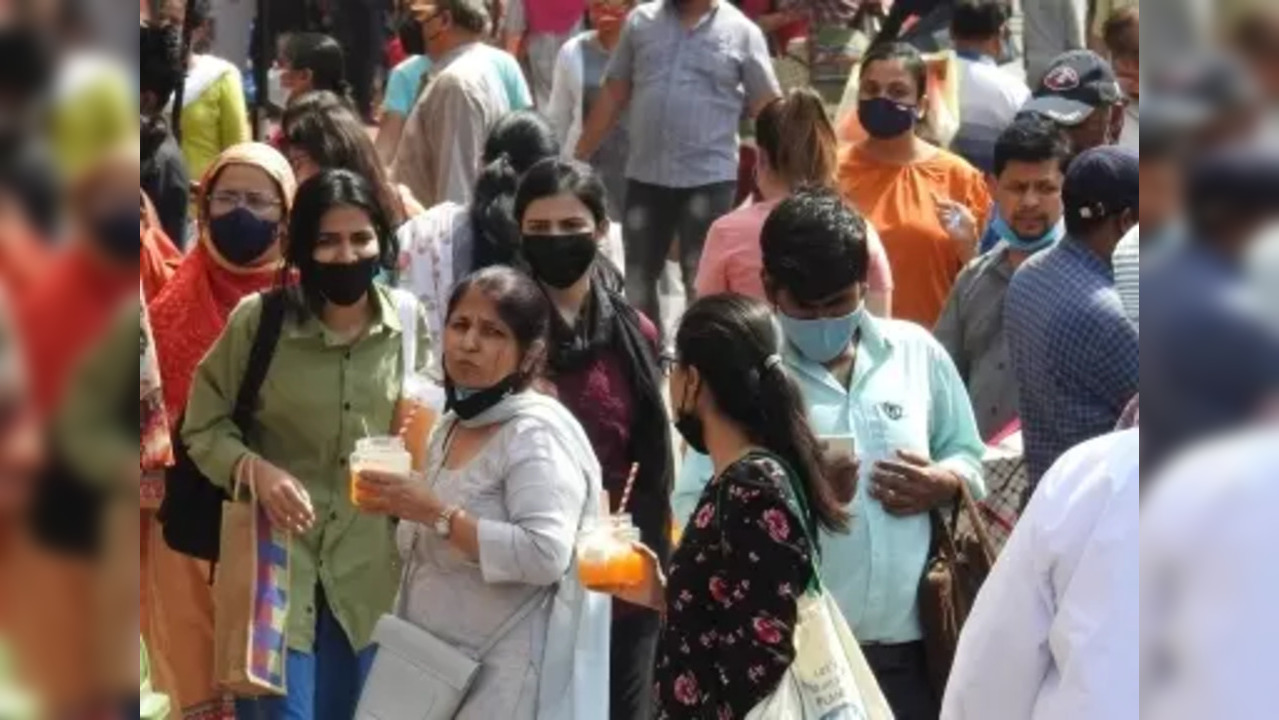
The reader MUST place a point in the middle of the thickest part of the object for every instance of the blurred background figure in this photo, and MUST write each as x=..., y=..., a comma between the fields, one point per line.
x=359, y=26
x=990, y=97
x=163, y=175
x=27, y=170
x=1121, y=36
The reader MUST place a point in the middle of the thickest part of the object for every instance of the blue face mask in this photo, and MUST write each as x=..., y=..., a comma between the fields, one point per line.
x=1027, y=245
x=823, y=339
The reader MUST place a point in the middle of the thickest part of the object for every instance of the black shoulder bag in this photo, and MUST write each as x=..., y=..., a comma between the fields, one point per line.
x=191, y=512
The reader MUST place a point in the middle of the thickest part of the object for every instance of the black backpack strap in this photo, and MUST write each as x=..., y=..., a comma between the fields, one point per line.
x=263, y=350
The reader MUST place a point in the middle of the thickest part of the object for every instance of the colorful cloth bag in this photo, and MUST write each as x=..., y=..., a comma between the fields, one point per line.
x=251, y=598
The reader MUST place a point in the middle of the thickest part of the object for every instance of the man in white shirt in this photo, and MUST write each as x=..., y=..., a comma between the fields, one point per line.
x=989, y=97
x=1054, y=632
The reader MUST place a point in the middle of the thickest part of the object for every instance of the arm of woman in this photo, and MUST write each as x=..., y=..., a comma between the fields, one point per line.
x=954, y=441
x=233, y=115
x=564, y=110
x=213, y=440
x=879, y=280
x=544, y=493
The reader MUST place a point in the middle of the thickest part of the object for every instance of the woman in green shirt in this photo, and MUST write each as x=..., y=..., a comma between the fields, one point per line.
x=336, y=376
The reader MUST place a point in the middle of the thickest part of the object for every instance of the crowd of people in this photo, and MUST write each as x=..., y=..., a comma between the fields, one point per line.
x=869, y=308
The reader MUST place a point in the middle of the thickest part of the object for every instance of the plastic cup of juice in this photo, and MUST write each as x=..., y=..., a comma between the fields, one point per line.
x=419, y=407
x=606, y=556
x=385, y=453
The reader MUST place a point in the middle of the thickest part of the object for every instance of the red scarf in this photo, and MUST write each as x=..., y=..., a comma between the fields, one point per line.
x=189, y=315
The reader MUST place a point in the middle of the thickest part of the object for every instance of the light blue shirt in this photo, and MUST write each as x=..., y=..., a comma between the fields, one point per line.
x=404, y=83
x=905, y=395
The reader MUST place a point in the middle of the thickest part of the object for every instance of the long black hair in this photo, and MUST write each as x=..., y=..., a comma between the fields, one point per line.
x=321, y=125
x=323, y=56
x=327, y=190
x=515, y=143
x=522, y=306
x=731, y=341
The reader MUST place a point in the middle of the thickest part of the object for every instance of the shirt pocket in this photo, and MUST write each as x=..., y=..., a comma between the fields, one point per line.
x=716, y=61
x=897, y=425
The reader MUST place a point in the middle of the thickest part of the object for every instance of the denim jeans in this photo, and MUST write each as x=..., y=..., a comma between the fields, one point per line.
x=654, y=217
x=323, y=684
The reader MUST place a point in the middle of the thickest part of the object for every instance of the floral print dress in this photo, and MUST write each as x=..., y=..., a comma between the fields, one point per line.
x=732, y=594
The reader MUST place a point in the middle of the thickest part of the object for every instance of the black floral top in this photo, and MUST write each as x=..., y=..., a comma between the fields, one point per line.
x=731, y=595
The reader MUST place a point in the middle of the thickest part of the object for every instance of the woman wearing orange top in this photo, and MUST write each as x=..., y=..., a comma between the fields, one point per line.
x=926, y=202
x=67, y=310
x=241, y=218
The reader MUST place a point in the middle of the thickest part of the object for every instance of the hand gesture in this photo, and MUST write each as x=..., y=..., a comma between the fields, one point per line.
x=960, y=224
x=912, y=485
x=287, y=502
x=648, y=593
x=398, y=495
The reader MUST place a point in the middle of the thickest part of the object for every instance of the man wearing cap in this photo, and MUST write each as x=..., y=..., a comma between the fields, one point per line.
x=1074, y=352
x=1213, y=358
x=1081, y=93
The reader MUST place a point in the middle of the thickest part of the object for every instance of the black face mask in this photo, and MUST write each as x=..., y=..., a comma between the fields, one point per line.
x=410, y=34
x=559, y=260
x=241, y=237
x=469, y=403
x=119, y=232
x=690, y=426
x=343, y=284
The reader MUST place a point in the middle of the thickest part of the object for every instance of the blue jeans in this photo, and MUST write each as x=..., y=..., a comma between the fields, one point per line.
x=324, y=684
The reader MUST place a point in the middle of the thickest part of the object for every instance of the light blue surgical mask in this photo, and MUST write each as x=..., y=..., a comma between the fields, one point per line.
x=822, y=339
x=1027, y=245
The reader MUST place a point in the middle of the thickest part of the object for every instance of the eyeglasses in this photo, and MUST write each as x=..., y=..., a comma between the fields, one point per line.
x=257, y=203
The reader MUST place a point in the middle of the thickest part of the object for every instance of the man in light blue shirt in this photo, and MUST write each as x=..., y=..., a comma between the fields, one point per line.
x=891, y=390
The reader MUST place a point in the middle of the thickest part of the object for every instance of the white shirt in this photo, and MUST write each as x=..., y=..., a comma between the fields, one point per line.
x=1209, y=582
x=1127, y=263
x=1130, y=136
x=1053, y=634
x=989, y=98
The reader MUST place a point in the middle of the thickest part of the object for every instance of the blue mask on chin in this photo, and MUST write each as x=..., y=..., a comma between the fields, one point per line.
x=1027, y=245
x=823, y=339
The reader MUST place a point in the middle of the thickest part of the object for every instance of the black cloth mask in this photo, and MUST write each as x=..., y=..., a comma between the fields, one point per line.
x=241, y=237
x=342, y=284
x=690, y=426
x=469, y=403
x=559, y=260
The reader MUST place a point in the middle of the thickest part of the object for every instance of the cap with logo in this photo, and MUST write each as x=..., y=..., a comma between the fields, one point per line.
x=1102, y=182
x=1077, y=83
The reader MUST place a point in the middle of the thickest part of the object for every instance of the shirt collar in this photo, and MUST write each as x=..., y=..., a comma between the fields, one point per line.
x=385, y=319
x=1085, y=255
x=449, y=57
x=977, y=57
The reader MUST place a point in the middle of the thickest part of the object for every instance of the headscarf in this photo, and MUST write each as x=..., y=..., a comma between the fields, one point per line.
x=67, y=310
x=160, y=257
x=190, y=313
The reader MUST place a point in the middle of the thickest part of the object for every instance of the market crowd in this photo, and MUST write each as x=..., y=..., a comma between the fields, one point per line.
x=786, y=299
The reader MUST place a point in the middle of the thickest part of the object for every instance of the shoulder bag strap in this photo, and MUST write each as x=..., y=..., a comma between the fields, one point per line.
x=260, y=355
x=515, y=619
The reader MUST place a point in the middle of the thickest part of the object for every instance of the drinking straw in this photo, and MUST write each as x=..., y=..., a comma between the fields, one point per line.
x=626, y=492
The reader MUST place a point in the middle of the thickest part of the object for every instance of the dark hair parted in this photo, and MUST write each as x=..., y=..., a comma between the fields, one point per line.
x=905, y=53
x=1032, y=138
x=814, y=245
x=522, y=306
x=556, y=176
x=325, y=191
x=798, y=140
x=328, y=131
x=730, y=339
x=979, y=19
x=518, y=141
x=323, y=56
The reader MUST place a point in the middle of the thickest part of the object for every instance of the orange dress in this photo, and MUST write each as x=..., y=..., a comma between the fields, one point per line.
x=901, y=202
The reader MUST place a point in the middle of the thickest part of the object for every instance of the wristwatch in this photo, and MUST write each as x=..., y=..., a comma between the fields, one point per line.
x=444, y=521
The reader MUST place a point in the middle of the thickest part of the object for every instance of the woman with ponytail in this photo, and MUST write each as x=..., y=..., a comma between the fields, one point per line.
x=730, y=602
x=890, y=390
x=797, y=149
x=451, y=241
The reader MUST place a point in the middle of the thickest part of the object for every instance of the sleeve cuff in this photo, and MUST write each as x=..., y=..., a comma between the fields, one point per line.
x=972, y=476
x=497, y=552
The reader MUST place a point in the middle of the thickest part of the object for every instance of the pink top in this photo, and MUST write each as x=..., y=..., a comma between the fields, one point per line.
x=731, y=260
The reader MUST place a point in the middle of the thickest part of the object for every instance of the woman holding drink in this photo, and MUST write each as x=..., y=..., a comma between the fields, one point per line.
x=603, y=363
x=511, y=480
x=731, y=600
x=336, y=377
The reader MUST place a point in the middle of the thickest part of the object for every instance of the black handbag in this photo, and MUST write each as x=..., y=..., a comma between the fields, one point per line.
x=191, y=513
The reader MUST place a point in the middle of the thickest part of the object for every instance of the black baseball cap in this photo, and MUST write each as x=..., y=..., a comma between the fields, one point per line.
x=1077, y=83
x=1101, y=183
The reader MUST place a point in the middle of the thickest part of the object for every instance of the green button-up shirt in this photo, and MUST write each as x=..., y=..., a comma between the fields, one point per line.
x=319, y=396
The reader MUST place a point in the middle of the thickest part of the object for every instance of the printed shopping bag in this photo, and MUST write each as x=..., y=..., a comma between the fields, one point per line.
x=829, y=679
x=251, y=598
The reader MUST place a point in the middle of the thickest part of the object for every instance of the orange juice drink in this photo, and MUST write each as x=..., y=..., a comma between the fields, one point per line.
x=420, y=405
x=606, y=556
x=384, y=453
